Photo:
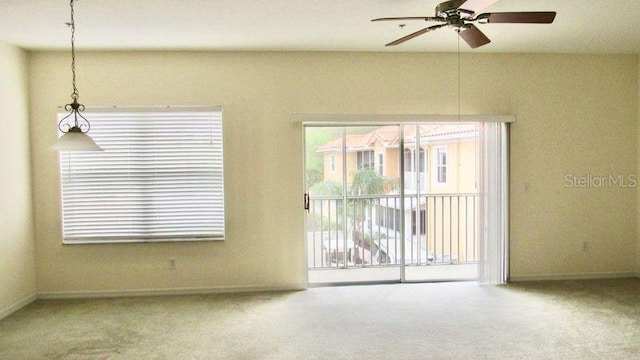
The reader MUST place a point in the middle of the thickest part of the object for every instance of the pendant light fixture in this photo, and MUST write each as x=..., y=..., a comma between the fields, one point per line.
x=74, y=126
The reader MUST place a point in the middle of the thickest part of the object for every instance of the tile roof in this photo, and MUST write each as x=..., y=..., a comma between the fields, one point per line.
x=388, y=136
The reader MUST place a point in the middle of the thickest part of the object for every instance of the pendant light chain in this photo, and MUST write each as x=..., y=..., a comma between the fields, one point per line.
x=74, y=125
x=74, y=95
x=458, y=78
x=78, y=122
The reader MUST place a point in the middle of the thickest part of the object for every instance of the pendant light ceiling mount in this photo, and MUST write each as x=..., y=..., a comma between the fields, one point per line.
x=74, y=126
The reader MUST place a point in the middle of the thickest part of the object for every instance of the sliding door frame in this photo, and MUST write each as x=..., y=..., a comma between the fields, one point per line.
x=336, y=120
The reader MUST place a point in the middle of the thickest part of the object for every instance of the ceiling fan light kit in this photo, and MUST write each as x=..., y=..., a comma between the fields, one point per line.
x=461, y=14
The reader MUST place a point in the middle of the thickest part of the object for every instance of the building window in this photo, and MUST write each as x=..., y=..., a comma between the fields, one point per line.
x=408, y=160
x=366, y=159
x=423, y=160
x=441, y=165
x=332, y=163
x=381, y=164
x=423, y=222
x=410, y=157
x=159, y=178
x=388, y=217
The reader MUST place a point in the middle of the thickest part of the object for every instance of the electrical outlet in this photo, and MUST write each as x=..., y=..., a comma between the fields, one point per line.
x=585, y=246
x=172, y=264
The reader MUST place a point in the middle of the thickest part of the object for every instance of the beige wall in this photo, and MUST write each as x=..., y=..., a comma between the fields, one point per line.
x=17, y=255
x=392, y=163
x=638, y=224
x=576, y=114
x=574, y=118
x=352, y=165
x=335, y=175
x=461, y=166
x=467, y=166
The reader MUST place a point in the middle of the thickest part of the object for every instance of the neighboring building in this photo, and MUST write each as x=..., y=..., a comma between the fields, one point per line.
x=445, y=163
x=444, y=167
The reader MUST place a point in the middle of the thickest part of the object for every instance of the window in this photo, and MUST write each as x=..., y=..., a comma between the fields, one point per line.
x=441, y=165
x=366, y=159
x=159, y=178
x=423, y=160
x=423, y=222
x=332, y=163
x=381, y=164
x=408, y=160
x=388, y=217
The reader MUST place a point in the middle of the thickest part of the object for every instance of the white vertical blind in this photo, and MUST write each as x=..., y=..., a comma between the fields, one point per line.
x=494, y=205
x=159, y=178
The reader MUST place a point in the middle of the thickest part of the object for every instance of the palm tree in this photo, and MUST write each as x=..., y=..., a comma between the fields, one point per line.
x=364, y=182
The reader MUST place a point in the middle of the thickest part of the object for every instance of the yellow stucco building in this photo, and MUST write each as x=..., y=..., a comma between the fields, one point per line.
x=439, y=186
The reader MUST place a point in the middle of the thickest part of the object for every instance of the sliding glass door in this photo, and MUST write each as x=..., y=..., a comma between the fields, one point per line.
x=441, y=201
x=352, y=179
x=403, y=202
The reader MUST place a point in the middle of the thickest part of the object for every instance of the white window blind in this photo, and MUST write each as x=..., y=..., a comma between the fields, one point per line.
x=159, y=178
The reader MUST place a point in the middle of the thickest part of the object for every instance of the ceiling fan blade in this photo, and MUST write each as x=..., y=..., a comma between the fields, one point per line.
x=417, y=33
x=543, y=17
x=477, y=5
x=473, y=36
x=425, y=18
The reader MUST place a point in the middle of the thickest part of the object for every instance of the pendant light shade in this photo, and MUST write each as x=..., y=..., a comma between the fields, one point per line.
x=75, y=140
x=74, y=126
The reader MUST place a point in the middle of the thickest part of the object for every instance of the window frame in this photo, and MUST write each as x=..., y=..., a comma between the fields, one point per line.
x=370, y=157
x=332, y=163
x=440, y=168
x=408, y=160
x=214, y=190
x=423, y=159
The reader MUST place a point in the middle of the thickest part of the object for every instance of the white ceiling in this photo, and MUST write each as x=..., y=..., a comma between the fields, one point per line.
x=581, y=26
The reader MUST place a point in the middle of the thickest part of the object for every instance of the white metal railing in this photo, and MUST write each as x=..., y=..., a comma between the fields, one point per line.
x=438, y=229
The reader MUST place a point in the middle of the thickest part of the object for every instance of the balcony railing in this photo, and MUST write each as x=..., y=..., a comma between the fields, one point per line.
x=367, y=230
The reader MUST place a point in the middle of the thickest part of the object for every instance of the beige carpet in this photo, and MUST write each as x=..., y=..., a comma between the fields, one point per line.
x=544, y=320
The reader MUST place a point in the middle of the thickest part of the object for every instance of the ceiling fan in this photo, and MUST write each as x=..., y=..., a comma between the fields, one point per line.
x=461, y=14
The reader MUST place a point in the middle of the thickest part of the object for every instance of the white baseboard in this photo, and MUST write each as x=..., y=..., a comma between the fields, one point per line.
x=17, y=306
x=166, y=292
x=580, y=276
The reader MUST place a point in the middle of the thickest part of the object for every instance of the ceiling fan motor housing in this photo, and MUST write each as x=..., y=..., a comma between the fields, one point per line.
x=448, y=8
